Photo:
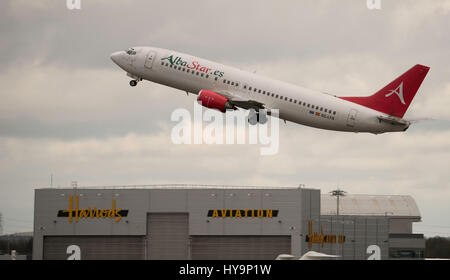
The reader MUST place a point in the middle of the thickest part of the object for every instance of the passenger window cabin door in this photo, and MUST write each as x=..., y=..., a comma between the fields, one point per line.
x=351, y=120
x=151, y=55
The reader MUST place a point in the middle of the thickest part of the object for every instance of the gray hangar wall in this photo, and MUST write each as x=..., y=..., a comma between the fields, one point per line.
x=174, y=223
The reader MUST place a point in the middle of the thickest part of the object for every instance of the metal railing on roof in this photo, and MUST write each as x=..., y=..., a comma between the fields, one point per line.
x=174, y=186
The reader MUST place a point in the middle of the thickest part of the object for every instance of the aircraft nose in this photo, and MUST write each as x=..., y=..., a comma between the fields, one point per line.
x=115, y=57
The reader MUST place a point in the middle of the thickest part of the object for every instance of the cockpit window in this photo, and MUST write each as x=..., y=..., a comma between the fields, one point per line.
x=131, y=51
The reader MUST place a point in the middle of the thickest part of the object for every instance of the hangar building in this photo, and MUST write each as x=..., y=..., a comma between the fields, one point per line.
x=220, y=222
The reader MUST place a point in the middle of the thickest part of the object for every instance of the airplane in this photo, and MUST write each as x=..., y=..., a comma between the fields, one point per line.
x=310, y=255
x=223, y=88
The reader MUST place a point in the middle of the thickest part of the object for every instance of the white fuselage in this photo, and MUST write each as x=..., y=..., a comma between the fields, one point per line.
x=295, y=103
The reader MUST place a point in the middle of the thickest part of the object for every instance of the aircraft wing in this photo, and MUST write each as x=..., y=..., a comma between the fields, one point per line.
x=312, y=255
x=284, y=257
x=241, y=102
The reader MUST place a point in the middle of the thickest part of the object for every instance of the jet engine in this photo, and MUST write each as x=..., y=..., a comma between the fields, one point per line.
x=214, y=100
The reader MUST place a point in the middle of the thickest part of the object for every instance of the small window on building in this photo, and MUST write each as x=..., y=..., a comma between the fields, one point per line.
x=334, y=112
x=187, y=70
x=228, y=82
x=198, y=73
x=207, y=76
x=259, y=91
x=202, y=74
x=250, y=88
x=237, y=84
x=215, y=78
x=232, y=83
x=245, y=87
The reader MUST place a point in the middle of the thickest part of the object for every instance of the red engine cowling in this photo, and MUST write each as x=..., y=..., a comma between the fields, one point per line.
x=213, y=100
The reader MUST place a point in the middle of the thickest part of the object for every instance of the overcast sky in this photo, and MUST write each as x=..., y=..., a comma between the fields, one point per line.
x=67, y=110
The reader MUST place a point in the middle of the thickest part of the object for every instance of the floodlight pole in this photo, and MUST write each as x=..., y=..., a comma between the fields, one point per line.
x=338, y=193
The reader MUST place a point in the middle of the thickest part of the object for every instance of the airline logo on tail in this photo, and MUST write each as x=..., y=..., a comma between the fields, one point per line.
x=410, y=81
x=399, y=92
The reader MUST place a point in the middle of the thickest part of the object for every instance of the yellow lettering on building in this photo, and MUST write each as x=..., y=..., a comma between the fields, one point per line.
x=215, y=214
x=260, y=213
x=83, y=213
x=238, y=214
x=70, y=208
x=119, y=216
x=97, y=212
x=103, y=213
x=91, y=212
x=314, y=237
x=224, y=213
x=242, y=213
x=77, y=198
x=245, y=211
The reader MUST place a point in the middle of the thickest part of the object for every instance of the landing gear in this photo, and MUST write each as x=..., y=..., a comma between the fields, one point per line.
x=255, y=117
x=133, y=83
x=262, y=117
x=135, y=80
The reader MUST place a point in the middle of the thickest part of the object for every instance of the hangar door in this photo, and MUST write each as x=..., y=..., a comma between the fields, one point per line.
x=167, y=236
x=94, y=247
x=239, y=247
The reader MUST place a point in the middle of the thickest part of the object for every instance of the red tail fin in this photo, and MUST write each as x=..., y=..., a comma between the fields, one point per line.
x=394, y=99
